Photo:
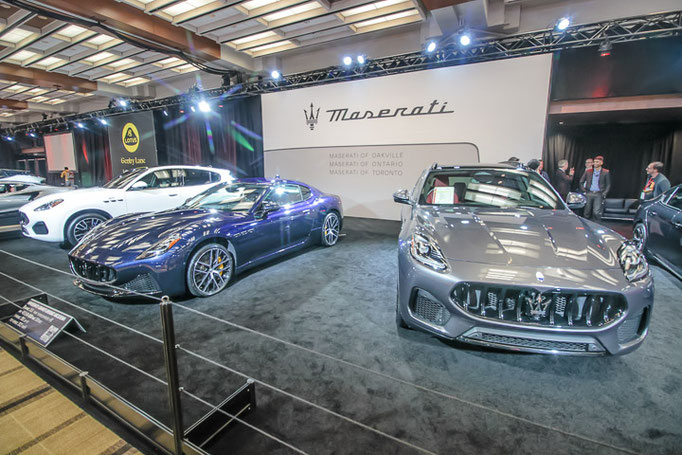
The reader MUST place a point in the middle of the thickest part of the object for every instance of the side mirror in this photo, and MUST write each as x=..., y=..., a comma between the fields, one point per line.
x=139, y=185
x=576, y=201
x=402, y=197
x=267, y=207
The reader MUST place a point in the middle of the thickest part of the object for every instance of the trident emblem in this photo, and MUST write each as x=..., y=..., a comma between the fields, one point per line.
x=311, y=119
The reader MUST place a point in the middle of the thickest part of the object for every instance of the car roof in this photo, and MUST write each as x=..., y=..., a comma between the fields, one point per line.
x=187, y=166
x=269, y=181
x=503, y=165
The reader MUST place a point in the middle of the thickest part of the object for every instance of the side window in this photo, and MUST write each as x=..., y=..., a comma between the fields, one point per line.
x=215, y=177
x=676, y=200
x=305, y=193
x=197, y=177
x=164, y=178
x=285, y=194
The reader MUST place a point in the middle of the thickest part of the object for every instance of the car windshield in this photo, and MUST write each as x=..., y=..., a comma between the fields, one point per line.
x=236, y=197
x=488, y=188
x=123, y=179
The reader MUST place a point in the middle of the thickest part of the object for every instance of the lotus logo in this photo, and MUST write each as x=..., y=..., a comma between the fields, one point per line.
x=130, y=137
x=312, y=116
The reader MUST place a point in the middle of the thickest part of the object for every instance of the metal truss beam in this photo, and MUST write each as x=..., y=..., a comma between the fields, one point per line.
x=543, y=41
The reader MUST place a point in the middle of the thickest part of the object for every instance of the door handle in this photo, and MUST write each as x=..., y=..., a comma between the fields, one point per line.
x=173, y=195
x=653, y=212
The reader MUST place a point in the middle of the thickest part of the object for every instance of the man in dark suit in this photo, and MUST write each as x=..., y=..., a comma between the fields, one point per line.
x=596, y=183
x=563, y=178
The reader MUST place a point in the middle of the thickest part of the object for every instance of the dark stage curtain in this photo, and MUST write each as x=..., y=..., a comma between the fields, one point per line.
x=92, y=154
x=228, y=137
x=9, y=154
x=627, y=149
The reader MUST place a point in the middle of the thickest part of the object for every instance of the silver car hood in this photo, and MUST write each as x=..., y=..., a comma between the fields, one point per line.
x=520, y=237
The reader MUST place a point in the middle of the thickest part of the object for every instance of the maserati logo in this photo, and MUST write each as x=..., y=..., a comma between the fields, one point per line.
x=539, y=276
x=538, y=305
x=311, y=118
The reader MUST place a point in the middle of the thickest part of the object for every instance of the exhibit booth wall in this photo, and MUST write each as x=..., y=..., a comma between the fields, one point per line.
x=365, y=139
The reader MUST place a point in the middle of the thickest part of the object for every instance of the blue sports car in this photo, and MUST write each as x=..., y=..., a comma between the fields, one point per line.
x=199, y=246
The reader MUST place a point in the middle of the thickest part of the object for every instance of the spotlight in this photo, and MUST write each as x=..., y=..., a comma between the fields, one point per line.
x=361, y=59
x=182, y=111
x=204, y=106
x=103, y=121
x=122, y=103
x=165, y=113
x=80, y=125
x=465, y=39
x=347, y=60
x=9, y=138
x=431, y=46
x=275, y=75
x=563, y=23
x=192, y=107
x=605, y=48
x=32, y=134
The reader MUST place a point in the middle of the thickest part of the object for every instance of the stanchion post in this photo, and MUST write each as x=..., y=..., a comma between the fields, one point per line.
x=171, y=362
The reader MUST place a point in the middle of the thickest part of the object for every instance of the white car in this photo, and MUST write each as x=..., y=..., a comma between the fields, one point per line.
x=68, y=216
x=34, y=179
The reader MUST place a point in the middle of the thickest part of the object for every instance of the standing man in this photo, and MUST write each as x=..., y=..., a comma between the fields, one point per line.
x=589, y=163
x=67, y=175
x=657, y=183
x=596, y=183
x=541, y=170
x=563, y=179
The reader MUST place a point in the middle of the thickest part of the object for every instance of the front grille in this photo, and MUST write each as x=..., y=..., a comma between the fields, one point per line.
x=631, y=327
x=142, y=283
x=428, y=309
x=529, y=306
x=531, y=343
x=92, y=271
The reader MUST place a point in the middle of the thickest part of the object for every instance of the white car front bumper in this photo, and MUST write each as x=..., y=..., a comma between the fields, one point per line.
x=39, y=227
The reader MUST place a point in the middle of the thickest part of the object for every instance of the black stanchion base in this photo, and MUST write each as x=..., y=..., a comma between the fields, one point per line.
x=215, y=423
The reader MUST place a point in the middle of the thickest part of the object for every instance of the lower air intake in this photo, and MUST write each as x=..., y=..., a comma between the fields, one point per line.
x=428, y=309
x=143, y=284
x=505, y=341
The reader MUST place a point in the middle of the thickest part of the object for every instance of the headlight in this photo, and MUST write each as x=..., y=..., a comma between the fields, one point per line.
x=49, y=205
x=427, y=251
x=634, y=264
x=160, y=248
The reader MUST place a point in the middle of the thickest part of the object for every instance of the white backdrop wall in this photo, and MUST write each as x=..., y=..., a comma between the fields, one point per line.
x=496, y=108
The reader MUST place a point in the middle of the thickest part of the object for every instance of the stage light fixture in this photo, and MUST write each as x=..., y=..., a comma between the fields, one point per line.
x=361, y=59
x=103, y=121
x=192, y=108
x=605, y=48
x=122, y=103
x=465, y=39
x=431, y=46
x=275, y=75
x=204, y=106
x=563, y=23
x=80, y=125
x=32, y=134
x=9, y=138
x=165, y=113
x=347, y=60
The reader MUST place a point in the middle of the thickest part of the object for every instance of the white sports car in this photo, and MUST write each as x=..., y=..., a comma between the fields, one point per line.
x=67, y=217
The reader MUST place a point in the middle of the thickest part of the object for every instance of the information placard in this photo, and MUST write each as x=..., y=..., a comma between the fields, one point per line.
x=40, y=322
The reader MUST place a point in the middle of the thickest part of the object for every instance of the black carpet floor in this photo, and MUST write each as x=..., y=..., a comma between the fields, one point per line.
x=377, y=389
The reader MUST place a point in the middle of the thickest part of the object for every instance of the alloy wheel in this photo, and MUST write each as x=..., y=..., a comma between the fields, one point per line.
x=84, y=226
x=212, y=270
x=331, y=229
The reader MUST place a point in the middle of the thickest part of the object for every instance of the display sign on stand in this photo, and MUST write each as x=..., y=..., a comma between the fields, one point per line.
x=132, y=142
x=40, y=322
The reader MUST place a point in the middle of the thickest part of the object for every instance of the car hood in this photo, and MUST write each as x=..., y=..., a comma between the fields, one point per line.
x=129, y=235
x=520, y=237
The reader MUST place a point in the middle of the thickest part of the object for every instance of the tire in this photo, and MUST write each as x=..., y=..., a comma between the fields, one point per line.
x=81, y=225
x=331, y=227
x=210, y=270
x=640, y=235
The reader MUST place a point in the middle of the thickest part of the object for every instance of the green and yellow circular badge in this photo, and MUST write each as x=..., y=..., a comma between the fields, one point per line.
x=130, y=137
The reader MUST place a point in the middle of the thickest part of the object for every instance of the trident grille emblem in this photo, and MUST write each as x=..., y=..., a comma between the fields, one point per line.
x=311, y=118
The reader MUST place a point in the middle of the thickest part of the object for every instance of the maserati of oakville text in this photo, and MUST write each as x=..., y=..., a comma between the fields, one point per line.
x=199, y=246
x=491, y=255
x=69, y=216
